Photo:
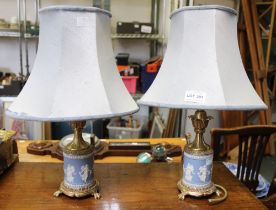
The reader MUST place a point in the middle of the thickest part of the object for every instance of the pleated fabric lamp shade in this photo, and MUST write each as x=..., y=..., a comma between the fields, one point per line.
x=203, y=60
x=74, y=76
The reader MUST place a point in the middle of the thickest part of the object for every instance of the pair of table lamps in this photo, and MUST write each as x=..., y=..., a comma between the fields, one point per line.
x=74, y=78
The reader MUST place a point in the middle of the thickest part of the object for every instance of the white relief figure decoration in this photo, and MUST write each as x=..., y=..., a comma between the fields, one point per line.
x=203, y=171
x=85, y=172
x=202, y=174
x=189, y=171
x=70, y=172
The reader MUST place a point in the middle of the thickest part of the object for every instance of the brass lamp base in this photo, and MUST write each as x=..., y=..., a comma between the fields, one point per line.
x=220, y=191
x=197, y=192
x=93, y=190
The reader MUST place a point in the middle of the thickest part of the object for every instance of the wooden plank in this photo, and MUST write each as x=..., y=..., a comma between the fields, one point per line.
x=241, y=37
x=253, y=53
x=26, y=157
x=263, y=29
x=264, y=3
x=269, y=44
x=271, y=6
x=171, y=124
x=48, y=130
x=264, y=63
x=262, y=66
x=265, y=12
x=270, y=34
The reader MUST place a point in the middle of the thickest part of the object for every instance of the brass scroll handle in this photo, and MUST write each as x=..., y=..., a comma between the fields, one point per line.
x=220, y=190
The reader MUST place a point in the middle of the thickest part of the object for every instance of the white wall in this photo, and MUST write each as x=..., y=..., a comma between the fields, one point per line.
x=128, y=11
x=227, y=3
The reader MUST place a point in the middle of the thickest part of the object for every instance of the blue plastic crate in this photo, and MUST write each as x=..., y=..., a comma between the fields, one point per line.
x=147, y=78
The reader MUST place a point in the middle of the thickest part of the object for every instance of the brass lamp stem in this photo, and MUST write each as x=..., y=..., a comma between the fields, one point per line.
x=199, y=142
x=200, y=121
x=78, y=142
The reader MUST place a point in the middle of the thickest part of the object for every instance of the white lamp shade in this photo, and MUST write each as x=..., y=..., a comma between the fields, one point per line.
x=74, y=75
x=202, y=67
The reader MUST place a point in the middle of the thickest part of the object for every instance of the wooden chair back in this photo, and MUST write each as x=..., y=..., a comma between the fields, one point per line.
x=252, y=143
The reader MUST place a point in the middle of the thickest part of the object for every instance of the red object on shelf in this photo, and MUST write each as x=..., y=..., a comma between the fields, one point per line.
x=130, y=83
x=153, y=65
x=122, y=68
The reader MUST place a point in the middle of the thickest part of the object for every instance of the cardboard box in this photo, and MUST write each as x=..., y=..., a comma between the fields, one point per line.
x=134, y=28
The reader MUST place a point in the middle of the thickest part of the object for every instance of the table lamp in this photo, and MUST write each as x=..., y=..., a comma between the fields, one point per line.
x=74, y=79
x=202, y=70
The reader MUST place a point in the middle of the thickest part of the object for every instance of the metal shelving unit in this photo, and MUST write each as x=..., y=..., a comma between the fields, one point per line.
x=16, y=34
x=21, y=34
x=23, y=37
x=9, y=33
x=137, y=36
x=155, y=38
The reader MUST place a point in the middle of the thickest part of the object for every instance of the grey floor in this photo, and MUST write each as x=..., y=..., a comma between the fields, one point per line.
x=268, y=167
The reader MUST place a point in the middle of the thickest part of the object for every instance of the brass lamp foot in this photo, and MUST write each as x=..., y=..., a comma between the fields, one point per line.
x=198, y=192
x=93, y=190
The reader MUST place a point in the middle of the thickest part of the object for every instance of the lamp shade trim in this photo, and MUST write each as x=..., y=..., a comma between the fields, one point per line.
x=74, y=9
x=199, y=106
x=206, y=7
x=67, y=119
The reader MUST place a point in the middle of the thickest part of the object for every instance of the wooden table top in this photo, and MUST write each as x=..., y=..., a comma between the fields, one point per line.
x=123, y=186
x=26, y=157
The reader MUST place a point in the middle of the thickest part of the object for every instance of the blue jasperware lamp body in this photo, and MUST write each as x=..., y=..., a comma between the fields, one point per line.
x=197, y=170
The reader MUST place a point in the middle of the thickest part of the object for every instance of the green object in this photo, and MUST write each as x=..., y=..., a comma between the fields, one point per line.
x=33, y=30
x=144, y=157
x=159, y=152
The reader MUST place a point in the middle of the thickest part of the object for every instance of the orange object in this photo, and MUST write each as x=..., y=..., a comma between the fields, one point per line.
x=122, y=68
x=152, y=67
